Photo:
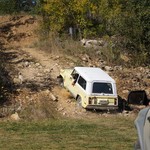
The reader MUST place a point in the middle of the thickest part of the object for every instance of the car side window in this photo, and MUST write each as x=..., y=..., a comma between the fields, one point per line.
x=82, y=82
x=75, y=76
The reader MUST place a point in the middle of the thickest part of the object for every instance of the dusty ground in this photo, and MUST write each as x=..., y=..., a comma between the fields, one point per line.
x=32, y=72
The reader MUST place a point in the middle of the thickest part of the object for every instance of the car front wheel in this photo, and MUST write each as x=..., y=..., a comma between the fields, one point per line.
x=79, y=101
x=60, y=81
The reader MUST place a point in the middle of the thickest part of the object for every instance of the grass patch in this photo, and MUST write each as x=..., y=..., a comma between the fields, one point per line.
x=104, y=133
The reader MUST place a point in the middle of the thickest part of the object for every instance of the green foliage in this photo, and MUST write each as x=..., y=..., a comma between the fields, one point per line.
x=135, y=25
x=111, y=53
x=98, y=18
x=7, y=6
x=16, y=6
x=141, y=58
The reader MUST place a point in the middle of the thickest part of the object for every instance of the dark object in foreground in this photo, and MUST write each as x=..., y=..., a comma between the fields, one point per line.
x=137, y=98
x=142, y=124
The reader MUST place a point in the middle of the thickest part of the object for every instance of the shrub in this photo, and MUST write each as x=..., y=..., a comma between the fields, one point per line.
x=7, y=6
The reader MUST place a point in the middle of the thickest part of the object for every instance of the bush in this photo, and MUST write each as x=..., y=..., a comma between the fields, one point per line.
x=7, y=6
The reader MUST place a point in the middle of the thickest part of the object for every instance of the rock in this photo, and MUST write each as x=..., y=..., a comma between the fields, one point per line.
x=27, y=97
x=37, y=64
x=40, y=67
x=118, y=68
x=147, y=92
x=15, y=117
x=71, y=64
x=39, y=75
x=57, y=57
x=92, y=43
x=18, y=90
x=64, y=113
x=20, y=77
x=47, y=91
x=60, y=109
x=108, y=68
x=91, y=65
x=148, y=76
x=125, y=91
x=47, y=71
x=16, y=81
x=84, y=59
x=26, y=64
x=54, y=98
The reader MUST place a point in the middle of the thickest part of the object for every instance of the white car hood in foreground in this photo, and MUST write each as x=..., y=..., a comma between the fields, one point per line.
x=142, y=123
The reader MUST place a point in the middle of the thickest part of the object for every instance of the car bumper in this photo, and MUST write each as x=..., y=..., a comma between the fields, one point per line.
x=100, y=107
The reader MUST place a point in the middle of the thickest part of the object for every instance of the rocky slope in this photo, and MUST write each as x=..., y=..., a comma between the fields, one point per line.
x=29, y=74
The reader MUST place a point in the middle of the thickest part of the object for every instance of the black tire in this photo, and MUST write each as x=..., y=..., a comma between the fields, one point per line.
x=60, y=81
x=79, y=101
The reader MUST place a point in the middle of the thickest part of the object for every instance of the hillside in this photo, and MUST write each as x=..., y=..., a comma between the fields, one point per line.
x=29, y=74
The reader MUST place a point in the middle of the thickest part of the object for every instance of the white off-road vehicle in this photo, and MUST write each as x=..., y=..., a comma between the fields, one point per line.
x=91, y=87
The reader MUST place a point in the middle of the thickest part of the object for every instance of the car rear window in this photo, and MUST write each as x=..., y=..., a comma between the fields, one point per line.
x=102, y=88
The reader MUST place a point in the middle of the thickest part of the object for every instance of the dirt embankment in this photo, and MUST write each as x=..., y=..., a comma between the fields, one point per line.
x=31, y=73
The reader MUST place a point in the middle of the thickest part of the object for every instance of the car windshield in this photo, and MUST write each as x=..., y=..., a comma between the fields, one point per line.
x=105, y=88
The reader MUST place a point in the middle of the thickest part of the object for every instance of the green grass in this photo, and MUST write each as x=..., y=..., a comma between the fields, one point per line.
x=111, y=133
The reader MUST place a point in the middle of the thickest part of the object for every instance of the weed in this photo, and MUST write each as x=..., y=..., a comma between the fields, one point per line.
x=140, y=58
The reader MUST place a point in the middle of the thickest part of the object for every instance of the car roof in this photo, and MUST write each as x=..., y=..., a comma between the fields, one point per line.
x=93, y=74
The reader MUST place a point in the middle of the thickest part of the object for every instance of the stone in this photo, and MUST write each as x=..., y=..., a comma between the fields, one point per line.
x=47, y=91
x=108, y=68
x=54, y=98
x=16, y=81
x=118, y=67
x=15, y=117
x=125, y=91
x=47, y=71
x=20, y=77
x=57, y=57
x=26, y=64
x=37, y=64
x=64, y=113
x=60, y=109
x=84, y=59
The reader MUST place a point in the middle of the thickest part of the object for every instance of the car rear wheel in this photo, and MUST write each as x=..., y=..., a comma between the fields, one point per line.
x=79, y=101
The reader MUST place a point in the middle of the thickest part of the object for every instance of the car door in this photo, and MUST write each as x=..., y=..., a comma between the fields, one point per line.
x=79, y=87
